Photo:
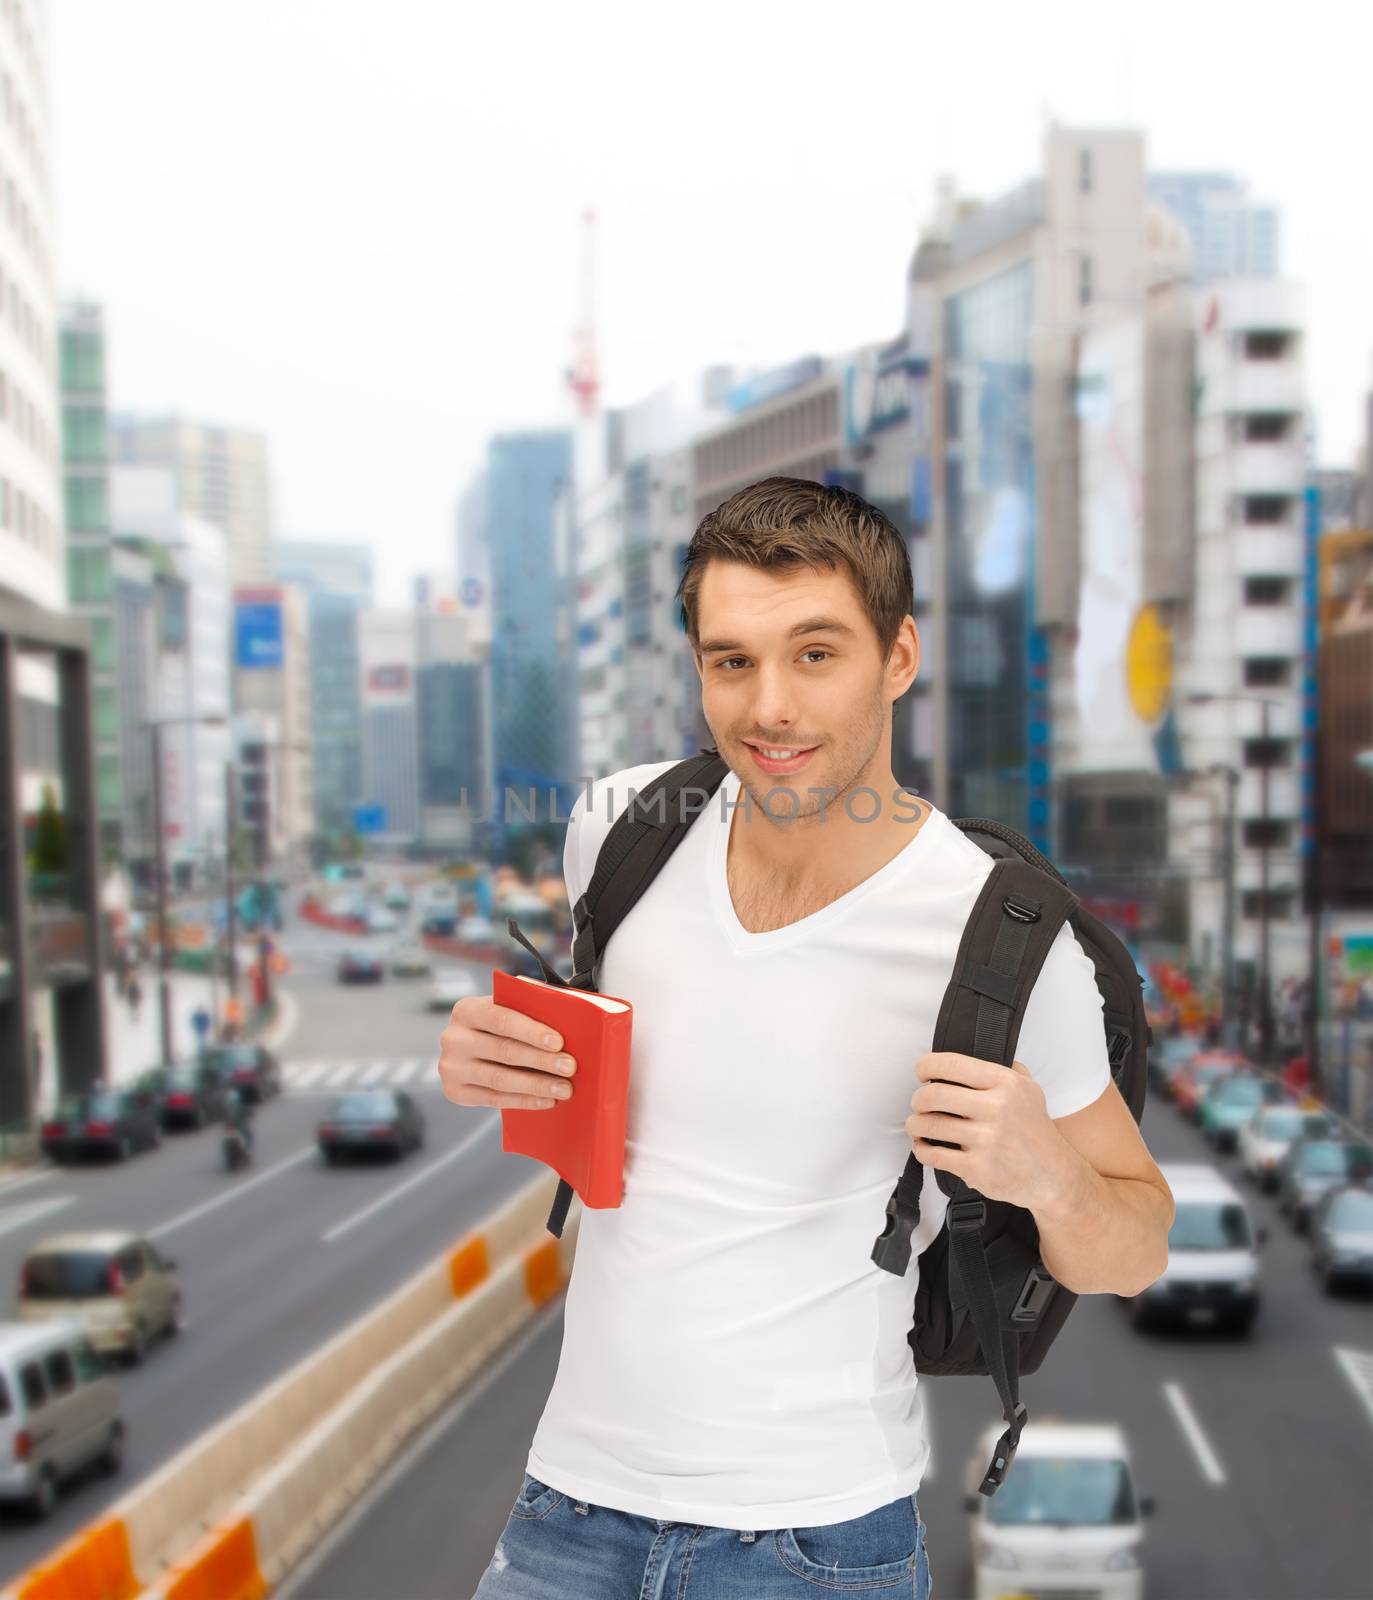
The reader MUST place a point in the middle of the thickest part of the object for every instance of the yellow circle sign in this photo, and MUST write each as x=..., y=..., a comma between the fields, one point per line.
x=1149, y=664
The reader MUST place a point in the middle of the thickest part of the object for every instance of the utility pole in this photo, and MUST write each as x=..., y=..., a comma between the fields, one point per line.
x=164, y=997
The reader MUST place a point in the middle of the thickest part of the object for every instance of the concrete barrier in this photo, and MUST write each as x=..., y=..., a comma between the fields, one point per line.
x=318, y=1433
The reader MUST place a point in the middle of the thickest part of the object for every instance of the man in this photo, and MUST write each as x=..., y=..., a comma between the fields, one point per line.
x=736, y=1399
x=238, y=1113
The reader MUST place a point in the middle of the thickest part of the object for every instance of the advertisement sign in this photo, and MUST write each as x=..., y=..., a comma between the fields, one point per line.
x=393, y=678
x=369, y=819
x=471, y=592
x=880, y=392
x=257, y=634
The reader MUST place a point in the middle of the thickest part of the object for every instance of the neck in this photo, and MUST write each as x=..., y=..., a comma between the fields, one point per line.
x=851, y=832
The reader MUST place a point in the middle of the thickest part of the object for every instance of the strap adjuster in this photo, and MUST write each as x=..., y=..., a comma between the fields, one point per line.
x=966, y=1216
x=1005, y=1451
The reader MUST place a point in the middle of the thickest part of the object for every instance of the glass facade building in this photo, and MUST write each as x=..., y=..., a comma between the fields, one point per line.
x=997, y=708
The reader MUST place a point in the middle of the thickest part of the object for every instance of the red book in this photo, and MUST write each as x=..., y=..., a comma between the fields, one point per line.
x=581, y=1138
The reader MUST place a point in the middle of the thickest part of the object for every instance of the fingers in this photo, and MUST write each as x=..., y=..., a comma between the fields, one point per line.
x=493, y=1055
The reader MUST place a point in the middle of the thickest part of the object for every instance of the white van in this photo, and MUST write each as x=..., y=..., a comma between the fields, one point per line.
x=1212, y=1276
x=1065, y=1520
x=59, y=1411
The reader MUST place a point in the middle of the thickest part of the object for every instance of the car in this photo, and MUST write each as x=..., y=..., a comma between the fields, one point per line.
x=1341, y=1232
x=1194, y=1079
x=440, y=924
x=477, y=930
x=1231, y=1101
x=1068, y=1502
x=396, y=897
x=1211, y=1279
x=194, y=1094
x=520, y=964
x=448, y=985
x=1312, y=1166
x=1168, y=1056
x=380, y=920
x=249, y=1067
x=117, y=1283
x=360, y=965
x=116, y=1122
x=59, y=1412
x=1270, y=1133
x=409, y=959
x=370, y=1118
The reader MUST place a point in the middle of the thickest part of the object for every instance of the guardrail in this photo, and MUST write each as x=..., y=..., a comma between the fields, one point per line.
x=233, y=1512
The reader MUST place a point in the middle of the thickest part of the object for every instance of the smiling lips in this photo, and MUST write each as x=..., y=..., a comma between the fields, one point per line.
x=784, y=764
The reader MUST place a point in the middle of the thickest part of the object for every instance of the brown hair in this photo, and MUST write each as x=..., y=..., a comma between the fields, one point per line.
x=779, y=524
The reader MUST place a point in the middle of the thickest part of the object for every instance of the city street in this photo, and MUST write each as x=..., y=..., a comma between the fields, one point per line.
x=1258, y=1454
x=276, y=1259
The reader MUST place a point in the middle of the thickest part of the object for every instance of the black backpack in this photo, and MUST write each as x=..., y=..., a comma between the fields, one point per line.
x=984, y=1303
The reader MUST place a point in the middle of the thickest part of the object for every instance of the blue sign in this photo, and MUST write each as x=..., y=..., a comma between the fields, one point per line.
x=471, y=591
x=369, y=819
x=257, y=634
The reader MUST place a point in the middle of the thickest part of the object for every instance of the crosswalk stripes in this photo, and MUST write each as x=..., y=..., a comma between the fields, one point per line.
x=331, y=1076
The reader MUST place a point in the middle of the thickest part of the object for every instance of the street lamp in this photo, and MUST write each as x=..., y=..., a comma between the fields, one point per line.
x=264, y=852
x=1265, y=1009
x=164, y=997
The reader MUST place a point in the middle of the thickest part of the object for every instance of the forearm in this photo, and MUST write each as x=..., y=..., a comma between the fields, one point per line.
x=1102, y=1235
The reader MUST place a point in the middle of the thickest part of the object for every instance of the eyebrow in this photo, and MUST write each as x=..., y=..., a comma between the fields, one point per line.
x=811, y=625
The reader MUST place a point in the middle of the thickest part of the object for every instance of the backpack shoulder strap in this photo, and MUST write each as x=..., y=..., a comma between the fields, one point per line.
x=633, y=853
x=1006, y=938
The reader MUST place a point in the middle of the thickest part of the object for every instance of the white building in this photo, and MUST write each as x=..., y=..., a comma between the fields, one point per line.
x=193, y=684
x=639, y=694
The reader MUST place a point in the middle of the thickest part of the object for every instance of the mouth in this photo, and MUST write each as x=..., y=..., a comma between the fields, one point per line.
x=792, y=762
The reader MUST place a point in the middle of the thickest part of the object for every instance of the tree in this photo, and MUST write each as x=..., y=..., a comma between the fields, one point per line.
x=49, y=836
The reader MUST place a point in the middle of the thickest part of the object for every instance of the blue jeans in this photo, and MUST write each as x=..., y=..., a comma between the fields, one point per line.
x=555, y=1547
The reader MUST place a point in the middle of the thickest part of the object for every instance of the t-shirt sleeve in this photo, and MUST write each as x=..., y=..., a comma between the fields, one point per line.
x=1062, y=1041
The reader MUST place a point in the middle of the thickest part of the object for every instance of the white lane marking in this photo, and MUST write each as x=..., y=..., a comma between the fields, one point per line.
x=339, y=1074
x=303, y=1073
x=9, y=1185
x=1207, y=1459
x=405, y=1071
x=340, y=1228
x=16, y=1216
x=240, y=1188
x=1357, y=1366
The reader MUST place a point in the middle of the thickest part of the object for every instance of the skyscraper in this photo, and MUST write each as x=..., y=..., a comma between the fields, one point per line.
x=219, y=473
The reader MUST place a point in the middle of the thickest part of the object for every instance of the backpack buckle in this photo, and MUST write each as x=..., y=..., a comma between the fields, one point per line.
x=1119, y=1047
x=892, y=1248
x=965, y=1216
x=1035, y=1294
x=1004, y=1454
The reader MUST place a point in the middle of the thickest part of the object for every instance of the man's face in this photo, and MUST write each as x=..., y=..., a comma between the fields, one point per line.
x=772, y=677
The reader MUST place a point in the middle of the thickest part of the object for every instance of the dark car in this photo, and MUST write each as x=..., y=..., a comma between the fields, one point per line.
x=520, y=964
x=371, y=1119
x=360, y=966
x=440, y=924
x=250, y=1068
x=192, y=1094
x=108, y=1121
x=1314, y=1166
x=1342, y=1236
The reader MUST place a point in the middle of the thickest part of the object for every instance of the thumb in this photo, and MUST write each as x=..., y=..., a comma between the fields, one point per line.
x=1021, y=1068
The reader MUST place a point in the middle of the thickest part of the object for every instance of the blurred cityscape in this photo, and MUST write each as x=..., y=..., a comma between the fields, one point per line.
x=235, y=785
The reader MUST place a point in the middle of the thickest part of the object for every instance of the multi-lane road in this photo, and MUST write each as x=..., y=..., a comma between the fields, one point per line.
x=1259, y=1453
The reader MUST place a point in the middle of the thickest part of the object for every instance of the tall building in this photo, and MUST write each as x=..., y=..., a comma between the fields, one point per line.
x=219, y=474
x=526, y=474
x=337, y=582
x=50, y=928
x=272, y=709
x=1231, y=236
x=390, y=748
x=452, y=717
x=191, y=679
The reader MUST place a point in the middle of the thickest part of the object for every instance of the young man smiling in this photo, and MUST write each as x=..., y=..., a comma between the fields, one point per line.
x=735, y=1400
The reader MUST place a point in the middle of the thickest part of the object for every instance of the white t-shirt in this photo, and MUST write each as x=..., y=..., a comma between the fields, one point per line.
x=731, y=1354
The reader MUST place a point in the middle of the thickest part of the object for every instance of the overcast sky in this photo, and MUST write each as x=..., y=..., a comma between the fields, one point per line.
x=355, y=226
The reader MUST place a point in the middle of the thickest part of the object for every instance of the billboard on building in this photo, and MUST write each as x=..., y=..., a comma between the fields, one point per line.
x=390, y=678
x=258, y=633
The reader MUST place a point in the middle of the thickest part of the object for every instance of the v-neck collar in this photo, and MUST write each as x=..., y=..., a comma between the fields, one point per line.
x=747, y=943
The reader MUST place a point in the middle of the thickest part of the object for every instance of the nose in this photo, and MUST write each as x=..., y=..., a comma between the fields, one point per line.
x=774, y=703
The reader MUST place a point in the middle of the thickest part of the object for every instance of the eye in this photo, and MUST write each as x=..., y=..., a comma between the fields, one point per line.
x=817, y=652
